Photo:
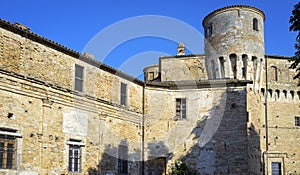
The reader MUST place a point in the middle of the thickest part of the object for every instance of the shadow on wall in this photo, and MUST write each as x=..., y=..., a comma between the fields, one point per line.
x=234, y=148
x=118, y=160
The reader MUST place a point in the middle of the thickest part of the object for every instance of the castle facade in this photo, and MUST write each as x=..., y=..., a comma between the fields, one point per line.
x=231, y=110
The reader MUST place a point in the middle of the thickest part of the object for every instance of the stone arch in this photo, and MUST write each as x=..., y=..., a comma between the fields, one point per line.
x=273, y=73
x=233, y=61
x=244, y=68
x=222, y=67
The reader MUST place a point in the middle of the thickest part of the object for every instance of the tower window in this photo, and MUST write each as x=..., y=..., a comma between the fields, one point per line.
x=255, y=24
x=209, y=30
x=180, y=108
x=222, y=69
x=244, y=68
x=233, y=60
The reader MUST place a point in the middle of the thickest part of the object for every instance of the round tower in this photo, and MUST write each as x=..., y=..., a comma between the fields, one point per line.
x=234, y=44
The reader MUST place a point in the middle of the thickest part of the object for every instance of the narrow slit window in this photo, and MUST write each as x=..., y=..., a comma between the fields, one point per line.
x=255, y=24
x=233, y=61
x=222, y=67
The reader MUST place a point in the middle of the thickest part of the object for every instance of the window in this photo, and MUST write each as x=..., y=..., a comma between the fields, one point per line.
x=79, y=78
x=244, y=68
x=123, y=160
x=124, y=94
x=222, y=69
x=233, y=60
x=297, y=121
x=255, y=24
x=180, y=108
x=7, y=151
x=209, y=30
x=74, y=158
x=276, y=168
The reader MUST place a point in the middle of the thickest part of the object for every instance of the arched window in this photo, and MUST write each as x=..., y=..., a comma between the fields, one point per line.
x=244, y=68
x=233, y=59
x=222, y=68
x=255, y=24
x=209, y=30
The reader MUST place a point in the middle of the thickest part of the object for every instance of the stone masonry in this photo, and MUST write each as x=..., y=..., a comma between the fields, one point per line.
x=231, y=110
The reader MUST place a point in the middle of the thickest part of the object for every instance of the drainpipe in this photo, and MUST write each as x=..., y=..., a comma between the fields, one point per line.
x=143, y=129
x=266, y=117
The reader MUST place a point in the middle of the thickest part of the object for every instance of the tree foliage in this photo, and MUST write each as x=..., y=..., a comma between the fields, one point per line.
x=181, y=168
x=295, y=26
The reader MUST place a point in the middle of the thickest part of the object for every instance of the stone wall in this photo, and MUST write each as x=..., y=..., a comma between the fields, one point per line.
x=38, y=101
x=184, y=67
x=211, y=140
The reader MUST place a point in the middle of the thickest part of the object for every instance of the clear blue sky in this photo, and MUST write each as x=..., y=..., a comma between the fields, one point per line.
x=74, y=23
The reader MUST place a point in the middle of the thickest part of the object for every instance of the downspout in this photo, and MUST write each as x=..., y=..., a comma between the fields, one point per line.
x=266, y=117
x=143, y=129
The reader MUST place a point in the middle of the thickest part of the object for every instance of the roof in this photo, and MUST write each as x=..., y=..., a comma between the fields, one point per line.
x=25, y=32
x=231, y=7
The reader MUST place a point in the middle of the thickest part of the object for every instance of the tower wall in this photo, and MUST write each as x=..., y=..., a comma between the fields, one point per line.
x=234, y=43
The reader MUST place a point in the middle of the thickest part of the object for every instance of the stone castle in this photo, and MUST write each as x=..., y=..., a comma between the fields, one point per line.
x=231, y=110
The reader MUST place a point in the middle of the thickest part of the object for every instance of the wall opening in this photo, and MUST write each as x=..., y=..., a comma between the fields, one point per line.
x=222, y=67
x=233, y=61
x=244, y=68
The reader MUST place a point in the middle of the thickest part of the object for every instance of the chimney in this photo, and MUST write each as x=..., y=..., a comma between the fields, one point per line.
x=180, y=49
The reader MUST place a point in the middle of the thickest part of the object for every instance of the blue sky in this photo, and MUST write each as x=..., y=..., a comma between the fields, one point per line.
x=75, y=23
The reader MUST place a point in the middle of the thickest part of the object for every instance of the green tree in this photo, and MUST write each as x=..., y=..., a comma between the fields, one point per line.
x=295, y=26
x=181, y=168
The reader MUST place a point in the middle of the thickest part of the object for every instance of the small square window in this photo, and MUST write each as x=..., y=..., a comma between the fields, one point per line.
x=297, y=121
x=180, y=108
x=79, y=78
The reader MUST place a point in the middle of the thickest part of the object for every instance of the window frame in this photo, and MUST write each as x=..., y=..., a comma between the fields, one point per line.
x=71, y=158
x=124, y=95
x=181, y=108
x=7, y=140
x=78, y=79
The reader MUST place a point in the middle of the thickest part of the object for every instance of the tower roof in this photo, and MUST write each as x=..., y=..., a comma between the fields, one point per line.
x=227, y=8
